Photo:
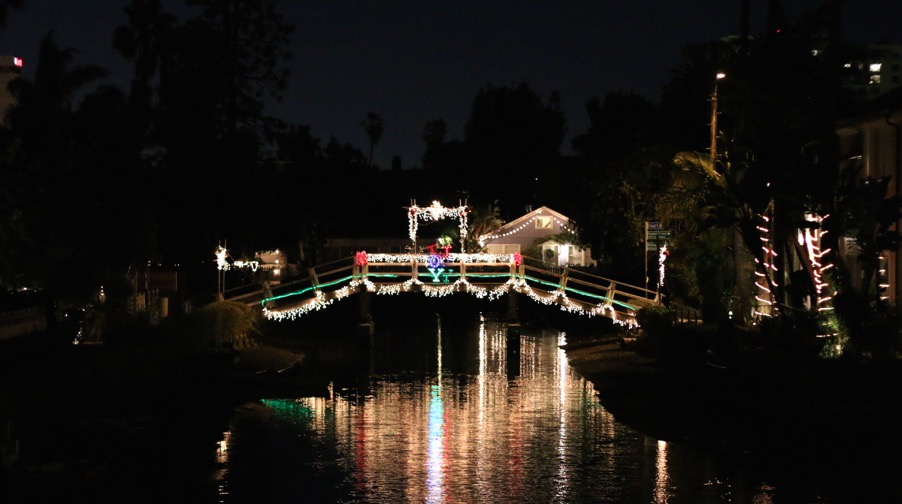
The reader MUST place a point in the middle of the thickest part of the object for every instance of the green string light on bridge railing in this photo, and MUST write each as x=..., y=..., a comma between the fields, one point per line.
x=556, y=294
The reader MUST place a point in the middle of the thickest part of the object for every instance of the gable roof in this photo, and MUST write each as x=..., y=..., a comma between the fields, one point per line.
x=562, y=219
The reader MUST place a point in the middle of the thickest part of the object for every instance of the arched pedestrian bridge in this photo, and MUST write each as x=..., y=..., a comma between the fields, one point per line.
x=488, y=276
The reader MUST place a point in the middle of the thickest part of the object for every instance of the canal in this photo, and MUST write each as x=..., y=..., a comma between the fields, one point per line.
x=470, y=411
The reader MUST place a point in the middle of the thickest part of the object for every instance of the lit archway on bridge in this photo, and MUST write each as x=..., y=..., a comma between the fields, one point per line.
x=434, y=212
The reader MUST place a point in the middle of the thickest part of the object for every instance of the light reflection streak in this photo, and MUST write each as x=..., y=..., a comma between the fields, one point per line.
x=444, y=438
x=222, y=463
x=492, y=437
x=435, y=460
x=483, y=365
x=563, y=373
x=662, y=476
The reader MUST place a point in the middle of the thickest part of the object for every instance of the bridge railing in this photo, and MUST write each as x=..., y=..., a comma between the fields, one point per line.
x=425, y=269
x=587, y=288
x=327, y=276
x=480, y=274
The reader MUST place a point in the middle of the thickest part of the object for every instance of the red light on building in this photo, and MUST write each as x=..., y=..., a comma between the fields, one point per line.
x=17, y=61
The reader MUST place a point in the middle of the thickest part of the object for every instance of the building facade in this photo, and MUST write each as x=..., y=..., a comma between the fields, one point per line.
x=872, y=140
x=10, y=69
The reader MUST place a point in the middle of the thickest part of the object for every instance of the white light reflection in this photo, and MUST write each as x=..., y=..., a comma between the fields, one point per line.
x=222, y=464
x=563, y=375
x=471, y=435
x=662, y=477
x=435, y=460
x=481, y=379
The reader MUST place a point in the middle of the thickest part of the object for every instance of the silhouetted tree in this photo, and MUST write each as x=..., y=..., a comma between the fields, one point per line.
x=6, y=6
x=253, y=45
x=434, y=133
x=621, y=169
x=146, y=40
x=213, y=79
x=513, y=142
x=49, y=222
x=373, y=126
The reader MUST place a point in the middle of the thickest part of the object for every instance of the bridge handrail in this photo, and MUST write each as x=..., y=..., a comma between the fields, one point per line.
x=546, y=284
x=648, y=293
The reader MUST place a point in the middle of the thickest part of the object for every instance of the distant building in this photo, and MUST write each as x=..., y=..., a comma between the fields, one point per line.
x=876, y=71
x=10, y=69
x=872, y=139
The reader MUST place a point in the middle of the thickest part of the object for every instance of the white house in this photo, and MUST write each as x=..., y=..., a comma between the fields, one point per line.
x=540, y=233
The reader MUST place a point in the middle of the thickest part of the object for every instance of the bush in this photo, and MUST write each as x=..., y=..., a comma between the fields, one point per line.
x=221, y=322
x=655, y=328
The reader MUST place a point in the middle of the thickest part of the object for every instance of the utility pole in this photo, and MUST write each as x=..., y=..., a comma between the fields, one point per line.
x=713, y=148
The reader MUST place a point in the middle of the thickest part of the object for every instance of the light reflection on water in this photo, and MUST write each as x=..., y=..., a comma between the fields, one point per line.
x=511, y=422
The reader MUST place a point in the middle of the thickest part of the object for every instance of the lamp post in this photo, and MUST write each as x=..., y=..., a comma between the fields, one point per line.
x=713, y=148
x=222, y=265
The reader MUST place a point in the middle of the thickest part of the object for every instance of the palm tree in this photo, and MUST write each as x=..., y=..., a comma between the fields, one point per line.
x=484, y=220
x=41, y=157
x=143, y=39
x=434, y=133
x=373, y=127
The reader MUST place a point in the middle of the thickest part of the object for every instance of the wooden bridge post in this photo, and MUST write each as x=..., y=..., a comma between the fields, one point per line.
x=314, y=282
x=512, y=317
x=366, y=326
x=564, y=278
x=513, y=307
x=612, y=289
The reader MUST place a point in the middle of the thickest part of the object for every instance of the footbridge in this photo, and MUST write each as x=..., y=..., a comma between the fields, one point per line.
x=488, y=276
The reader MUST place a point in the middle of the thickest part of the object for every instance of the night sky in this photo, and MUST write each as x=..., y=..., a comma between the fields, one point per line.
x=414, y=61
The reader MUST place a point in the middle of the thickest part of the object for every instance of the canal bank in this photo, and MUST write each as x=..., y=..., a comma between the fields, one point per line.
x=768, y=404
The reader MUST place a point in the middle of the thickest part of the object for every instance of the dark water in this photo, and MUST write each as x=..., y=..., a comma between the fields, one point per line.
x=471, y=413
x=442, y=411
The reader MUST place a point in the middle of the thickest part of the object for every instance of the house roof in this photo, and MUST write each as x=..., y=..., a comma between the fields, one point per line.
x=542, y=210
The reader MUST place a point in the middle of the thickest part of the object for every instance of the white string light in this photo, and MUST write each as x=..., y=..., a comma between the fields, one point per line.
x=811, y=239
x=764, y=295
x=221, y=253
x=662, y=256
x=435, y=212
x=487, y=237
x=558, y=296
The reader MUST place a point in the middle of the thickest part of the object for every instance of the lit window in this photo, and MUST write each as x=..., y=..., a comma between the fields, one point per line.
x=875, y=67
x=543, y=222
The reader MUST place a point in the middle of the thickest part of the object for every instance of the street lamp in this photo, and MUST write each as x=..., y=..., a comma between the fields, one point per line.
x=713, y=149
